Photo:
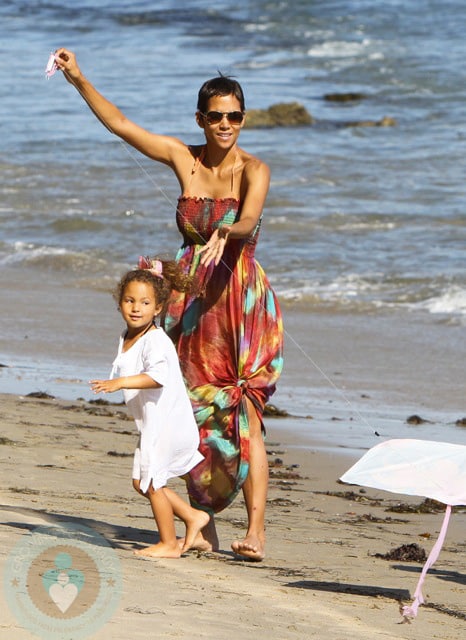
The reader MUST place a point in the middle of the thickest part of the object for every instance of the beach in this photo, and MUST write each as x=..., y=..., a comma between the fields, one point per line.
x=70, y=462
x=362, y=239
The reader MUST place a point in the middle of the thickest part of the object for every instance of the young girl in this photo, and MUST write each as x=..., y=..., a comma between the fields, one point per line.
x=147, y=370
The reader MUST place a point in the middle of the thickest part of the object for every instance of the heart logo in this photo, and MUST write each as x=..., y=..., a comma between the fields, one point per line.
x=63, y=583
x=63, y=592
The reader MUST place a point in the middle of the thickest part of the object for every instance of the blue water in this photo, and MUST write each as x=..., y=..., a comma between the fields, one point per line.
x=359, y=220
x=360, y=217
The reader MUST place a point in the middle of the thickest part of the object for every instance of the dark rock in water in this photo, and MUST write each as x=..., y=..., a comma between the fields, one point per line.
x=294, y=114
x=349, y=96
x=283, y=114
x=461, y=422
x=415, y=419
x=406, y=553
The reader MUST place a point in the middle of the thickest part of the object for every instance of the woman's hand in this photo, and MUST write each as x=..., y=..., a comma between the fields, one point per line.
x=66, y=62
x=214, y=248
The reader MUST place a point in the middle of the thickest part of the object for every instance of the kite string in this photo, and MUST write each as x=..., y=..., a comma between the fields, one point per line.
x=331, y=383
x=136, y=160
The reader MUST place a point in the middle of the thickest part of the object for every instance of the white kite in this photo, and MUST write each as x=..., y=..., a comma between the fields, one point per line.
x=435, y=470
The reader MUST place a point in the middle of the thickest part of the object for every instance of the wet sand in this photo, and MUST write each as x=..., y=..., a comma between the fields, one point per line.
x=70, y=462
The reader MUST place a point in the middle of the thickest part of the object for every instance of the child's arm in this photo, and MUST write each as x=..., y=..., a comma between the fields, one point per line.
x=139, y=381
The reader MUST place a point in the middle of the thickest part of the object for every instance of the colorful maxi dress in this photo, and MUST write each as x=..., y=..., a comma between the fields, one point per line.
x=229, y=341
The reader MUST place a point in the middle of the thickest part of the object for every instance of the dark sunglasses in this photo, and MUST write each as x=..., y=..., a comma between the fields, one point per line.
x=214, y=117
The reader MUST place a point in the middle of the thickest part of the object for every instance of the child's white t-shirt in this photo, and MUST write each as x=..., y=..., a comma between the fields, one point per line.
x=169, y=436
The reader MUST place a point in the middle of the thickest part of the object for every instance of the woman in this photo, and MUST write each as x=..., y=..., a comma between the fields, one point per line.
x=229, y=340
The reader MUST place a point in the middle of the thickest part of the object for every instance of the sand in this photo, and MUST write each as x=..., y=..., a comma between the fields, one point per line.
x=70, y=462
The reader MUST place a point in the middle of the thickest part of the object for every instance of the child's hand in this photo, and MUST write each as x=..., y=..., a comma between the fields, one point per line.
x=105, y=386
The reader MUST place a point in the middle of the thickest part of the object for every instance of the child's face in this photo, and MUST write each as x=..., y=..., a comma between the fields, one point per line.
x=138, y=305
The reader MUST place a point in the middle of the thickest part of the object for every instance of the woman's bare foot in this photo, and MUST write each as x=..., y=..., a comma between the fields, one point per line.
x=160, y=550
x=252, y=547
x=199, y=520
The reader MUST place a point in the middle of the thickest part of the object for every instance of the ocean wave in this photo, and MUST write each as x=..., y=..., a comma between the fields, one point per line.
x=335, y=222
x=47, y=258
x=358, y=293
x=340, y=49
x=73, y=223
x=204, y=19
x=451, y=302
x=343, y=290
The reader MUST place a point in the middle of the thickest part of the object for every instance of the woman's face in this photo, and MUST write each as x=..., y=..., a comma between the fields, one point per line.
x=224, y=133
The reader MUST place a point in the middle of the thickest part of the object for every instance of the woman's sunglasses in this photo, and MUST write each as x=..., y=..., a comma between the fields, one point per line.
x=214, y=117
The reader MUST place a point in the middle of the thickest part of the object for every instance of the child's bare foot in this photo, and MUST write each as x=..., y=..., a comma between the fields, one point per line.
x=252, y=548
x=160, y=550
x=200, y=519
x=205, y=540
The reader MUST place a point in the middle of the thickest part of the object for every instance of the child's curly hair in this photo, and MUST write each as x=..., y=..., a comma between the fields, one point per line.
x=169, y=276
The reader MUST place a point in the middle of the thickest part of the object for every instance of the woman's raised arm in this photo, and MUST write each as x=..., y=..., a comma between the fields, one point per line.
x=161, y=148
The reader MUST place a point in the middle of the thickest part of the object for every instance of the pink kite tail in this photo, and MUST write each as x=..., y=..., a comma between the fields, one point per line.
x=410, y=611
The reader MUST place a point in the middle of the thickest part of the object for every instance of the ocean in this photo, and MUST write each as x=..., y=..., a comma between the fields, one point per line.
x=363, y=224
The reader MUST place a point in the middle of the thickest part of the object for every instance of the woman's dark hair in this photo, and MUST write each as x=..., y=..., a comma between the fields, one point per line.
x=171, y=278
x=219, y=86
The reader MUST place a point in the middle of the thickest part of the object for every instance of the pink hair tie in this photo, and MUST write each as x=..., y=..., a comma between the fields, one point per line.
x=154, y=266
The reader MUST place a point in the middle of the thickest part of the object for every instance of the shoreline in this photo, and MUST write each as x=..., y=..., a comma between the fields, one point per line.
x=345, y=378
x=398, y=357
x=70, y=461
